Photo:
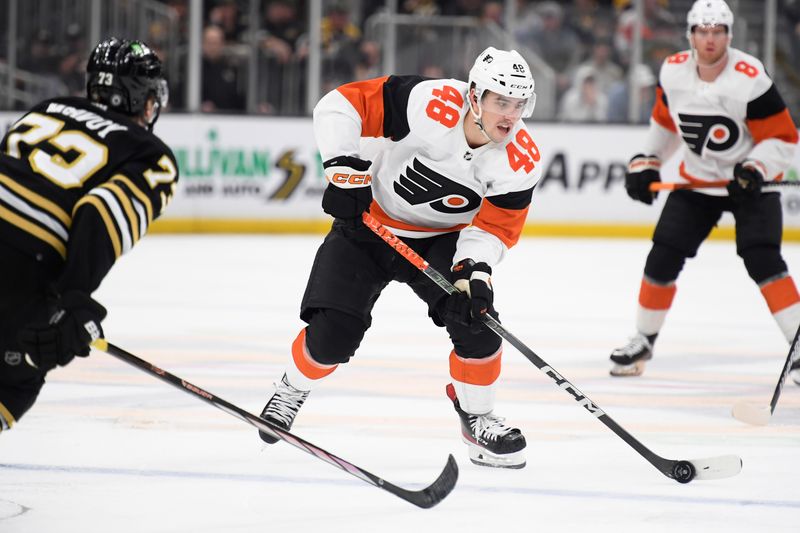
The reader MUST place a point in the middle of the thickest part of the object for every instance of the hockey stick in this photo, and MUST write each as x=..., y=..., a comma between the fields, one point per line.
x=672, y=186
x=682, y=471
x=425, y=498
x=757, y=415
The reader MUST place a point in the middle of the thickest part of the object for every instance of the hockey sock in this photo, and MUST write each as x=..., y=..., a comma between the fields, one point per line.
x=655, y=299
x=783, y=301
x=474, y=379
x=303, y=371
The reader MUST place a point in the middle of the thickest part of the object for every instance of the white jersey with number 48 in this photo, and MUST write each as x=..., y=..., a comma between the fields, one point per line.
x=426, y=180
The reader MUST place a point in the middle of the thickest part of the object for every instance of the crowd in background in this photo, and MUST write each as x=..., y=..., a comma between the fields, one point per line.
x=587, y=43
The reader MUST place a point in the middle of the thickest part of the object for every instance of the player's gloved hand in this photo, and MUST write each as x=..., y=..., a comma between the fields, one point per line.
x=349, y=190
x=475, y=298
x=642, y=171
x=746, y=183
x=74, y=323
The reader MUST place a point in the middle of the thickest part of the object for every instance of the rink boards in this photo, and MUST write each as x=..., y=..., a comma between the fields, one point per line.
x=264, y=174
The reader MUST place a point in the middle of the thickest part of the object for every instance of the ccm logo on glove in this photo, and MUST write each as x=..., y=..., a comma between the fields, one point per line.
x=350, y=180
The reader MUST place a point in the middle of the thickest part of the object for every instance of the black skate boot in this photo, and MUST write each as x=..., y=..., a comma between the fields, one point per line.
x=629, y=360
x=490, y=441
x=282, y=407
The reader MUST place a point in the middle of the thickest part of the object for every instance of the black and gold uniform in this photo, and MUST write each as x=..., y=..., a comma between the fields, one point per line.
x=81, y=180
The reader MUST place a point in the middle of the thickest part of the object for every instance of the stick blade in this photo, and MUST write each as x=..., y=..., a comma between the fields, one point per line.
x=436, y=491
x=720, y=467
x=749, y=413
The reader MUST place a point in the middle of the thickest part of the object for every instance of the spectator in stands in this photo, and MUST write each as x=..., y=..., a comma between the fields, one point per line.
x=600, y=64
x=553, y=41
x=584, y=102
x=426, y=8
x=485, y=33
x=42, y=60
x=220, y=87
x=469, y=8
x=591, y=20
x=226, y=15
x=72, y=63
x=369, y=65
x=661, y=35
x=340, y=47
x=283, y=55
x=180, y=8
x=619, y=95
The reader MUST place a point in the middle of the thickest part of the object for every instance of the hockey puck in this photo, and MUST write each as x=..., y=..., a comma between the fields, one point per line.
x=683, y=471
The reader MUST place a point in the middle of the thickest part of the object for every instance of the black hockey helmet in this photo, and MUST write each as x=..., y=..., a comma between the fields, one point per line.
x=122, y=74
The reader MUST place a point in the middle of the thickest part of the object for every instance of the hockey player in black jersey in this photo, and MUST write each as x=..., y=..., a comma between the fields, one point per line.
x=81, y=180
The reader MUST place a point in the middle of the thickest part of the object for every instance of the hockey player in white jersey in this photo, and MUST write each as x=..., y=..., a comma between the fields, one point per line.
x=719, y=106
x=450, y=167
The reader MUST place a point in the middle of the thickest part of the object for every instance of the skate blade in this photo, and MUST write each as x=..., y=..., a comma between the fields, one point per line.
x=481, y=457
x=631, y=370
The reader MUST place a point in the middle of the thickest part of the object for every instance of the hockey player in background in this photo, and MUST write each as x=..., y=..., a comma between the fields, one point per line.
x=450, y=167
x=722, y=107
x=81, y=179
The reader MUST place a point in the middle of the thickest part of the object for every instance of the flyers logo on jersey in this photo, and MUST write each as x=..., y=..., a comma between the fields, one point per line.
x=346, y=181
x=422, y=185
x=715, y=132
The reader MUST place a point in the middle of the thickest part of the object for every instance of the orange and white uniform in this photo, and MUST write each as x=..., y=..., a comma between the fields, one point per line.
x=740, y=116
x=426, y=180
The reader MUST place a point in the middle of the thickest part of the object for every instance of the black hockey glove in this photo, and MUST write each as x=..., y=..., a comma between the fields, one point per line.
x=746, y=183
x=475, y=298
x=74, y=323
x=349, y=192
x=642, y=171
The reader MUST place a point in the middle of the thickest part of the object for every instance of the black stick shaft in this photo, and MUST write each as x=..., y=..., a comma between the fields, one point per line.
x=785, y=372
x=424, y=498
x=665, y=466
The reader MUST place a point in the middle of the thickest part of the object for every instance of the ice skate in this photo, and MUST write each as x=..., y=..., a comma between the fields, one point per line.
x=282, y=407
x=629, y=360
x=490, y=441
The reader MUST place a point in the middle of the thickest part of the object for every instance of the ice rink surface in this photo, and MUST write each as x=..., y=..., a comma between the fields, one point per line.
x=109, y=448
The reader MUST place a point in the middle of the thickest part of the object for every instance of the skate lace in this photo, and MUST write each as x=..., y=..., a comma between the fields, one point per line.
x=489, y=427
x=636, y=344
x=285, y=403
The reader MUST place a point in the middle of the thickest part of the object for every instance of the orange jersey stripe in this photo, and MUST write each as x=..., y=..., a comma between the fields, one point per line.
x=367, y=99
x=780, y=294
x=305, y=364
x=476, y=371
x=661, y=112
x=656, y=297
x=778, y=126
x=505, y=224
x=381, y=216
x=691, y=179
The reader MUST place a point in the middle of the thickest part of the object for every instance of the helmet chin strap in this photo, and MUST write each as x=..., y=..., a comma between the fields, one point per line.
x=477, y=119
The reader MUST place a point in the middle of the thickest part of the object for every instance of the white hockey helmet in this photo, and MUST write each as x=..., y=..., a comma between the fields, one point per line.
x=709, y=13
x=503, y=72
